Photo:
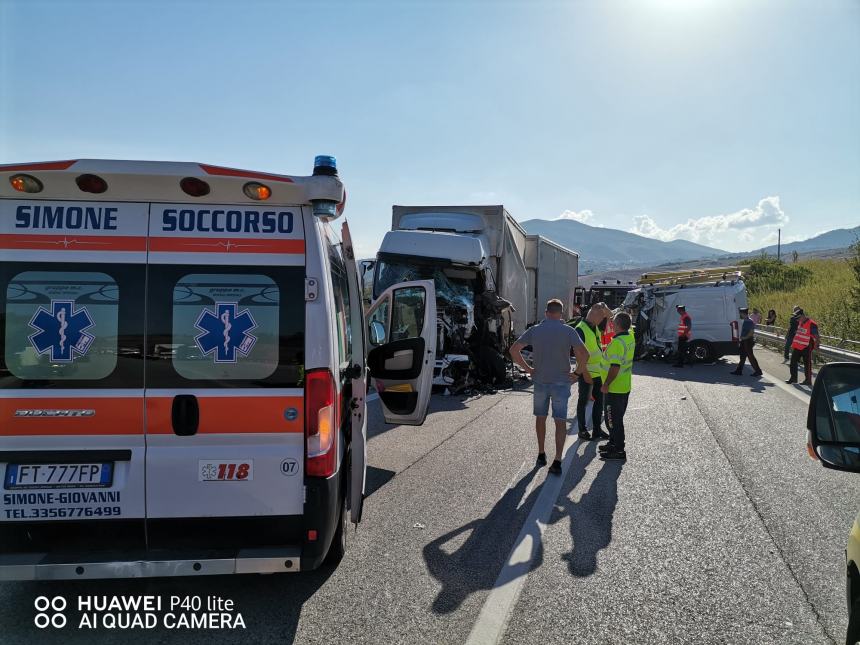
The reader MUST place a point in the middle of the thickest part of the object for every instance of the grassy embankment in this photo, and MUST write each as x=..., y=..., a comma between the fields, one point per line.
x=821, y=287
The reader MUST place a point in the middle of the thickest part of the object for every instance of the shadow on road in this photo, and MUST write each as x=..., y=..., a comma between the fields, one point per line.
x=475, y=564
x=714, y=373
x=591, y=517
x=270, y=607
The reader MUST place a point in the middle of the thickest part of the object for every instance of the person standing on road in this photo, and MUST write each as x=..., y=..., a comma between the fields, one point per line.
x=589, y=331
x=755, y=316
x=806, y=339
x=747, y=341
x=789, y=333
x=616, y=388
x=551, y=342
x=685, y=330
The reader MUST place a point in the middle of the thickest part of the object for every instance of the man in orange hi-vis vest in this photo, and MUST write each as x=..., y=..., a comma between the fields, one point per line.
x=806, y=338
x=685, y=330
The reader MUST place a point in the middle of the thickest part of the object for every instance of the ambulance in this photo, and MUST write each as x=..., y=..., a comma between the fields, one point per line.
x=184, y=362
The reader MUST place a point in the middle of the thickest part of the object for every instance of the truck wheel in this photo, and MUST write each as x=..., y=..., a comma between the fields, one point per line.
x=853, y=635
x=701, y=351
x=338, y=543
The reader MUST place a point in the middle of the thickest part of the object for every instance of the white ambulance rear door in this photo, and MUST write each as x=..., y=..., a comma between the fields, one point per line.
x=72, y=444
x=225, y=364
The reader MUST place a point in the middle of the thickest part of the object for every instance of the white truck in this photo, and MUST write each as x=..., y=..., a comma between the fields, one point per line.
x=491, y=281
x=712, y=297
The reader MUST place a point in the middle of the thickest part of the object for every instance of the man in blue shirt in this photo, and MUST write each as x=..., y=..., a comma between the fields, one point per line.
x=551, y=342
x=747, y=341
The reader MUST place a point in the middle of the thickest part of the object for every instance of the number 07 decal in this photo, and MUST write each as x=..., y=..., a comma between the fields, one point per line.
x=214, y=470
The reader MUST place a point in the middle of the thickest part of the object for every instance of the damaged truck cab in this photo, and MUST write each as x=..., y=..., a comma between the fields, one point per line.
x=489, y=276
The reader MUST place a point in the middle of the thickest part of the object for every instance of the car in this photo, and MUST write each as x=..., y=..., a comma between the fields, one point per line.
x=833, y=438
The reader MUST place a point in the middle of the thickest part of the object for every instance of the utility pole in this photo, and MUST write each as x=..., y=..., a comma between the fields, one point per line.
x=778, y=243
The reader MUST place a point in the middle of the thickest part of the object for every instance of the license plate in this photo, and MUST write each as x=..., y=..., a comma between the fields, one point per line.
x=58, y=475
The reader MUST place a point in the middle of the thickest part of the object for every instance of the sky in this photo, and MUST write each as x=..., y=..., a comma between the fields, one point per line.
x=716, y=121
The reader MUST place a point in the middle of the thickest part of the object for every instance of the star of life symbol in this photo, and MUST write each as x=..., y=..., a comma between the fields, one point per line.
x=209, y=472
x=61, y=331
x=226, y=331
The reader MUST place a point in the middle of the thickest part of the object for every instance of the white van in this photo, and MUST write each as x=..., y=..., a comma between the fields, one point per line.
x=713, y=306
x=183, y=369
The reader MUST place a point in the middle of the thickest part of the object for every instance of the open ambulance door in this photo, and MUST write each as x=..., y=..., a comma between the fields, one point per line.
x=358, y=371
x=402, y=350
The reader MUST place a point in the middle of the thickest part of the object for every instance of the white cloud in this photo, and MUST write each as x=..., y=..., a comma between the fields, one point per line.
x=748, y=226
x=584, y=216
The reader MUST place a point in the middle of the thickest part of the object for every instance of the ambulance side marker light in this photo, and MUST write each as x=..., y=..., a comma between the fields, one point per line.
x=25, y=184
x=91, y=184
x=257, y=191
x=194, y=187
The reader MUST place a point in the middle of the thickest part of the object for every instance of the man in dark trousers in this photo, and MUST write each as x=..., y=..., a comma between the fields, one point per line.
x=685, y=330
x=616, y=388
x=789, y=333
x=806, y=339
x=589, y=331
x=747, y=341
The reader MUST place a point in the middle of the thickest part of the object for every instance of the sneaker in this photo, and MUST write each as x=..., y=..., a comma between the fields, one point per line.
x=791, y=380
x=555, y=469
x=606, y=447
x=541, y=459
x=614, y=455
x=583, y=434
x=600, y=435
x=737, y=373
x=807, y=382
x=758, y=373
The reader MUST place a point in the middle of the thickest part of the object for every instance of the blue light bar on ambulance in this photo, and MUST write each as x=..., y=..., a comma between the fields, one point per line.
x=325, y=165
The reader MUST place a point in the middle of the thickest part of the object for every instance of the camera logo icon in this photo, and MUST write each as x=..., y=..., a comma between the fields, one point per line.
x=50, y=612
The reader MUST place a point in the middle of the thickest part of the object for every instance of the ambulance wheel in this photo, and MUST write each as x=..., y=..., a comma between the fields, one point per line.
x=338, y=542
x=701, y=351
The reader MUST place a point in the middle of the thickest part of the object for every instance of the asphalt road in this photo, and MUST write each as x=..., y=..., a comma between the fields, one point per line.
x=718, y=529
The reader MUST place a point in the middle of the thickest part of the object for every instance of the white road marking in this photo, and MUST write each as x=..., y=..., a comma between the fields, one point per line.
x=794, y=391
x=494, y=616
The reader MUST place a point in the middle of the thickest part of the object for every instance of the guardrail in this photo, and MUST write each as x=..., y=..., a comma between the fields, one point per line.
x=823, y=353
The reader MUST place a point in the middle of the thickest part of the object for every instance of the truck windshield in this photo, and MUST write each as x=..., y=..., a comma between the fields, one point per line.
x=452, y=284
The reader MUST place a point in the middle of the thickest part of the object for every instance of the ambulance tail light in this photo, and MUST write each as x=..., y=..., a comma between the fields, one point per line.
x=320, y=423
x=91, y=184
x=194, y=187
x=25, y=184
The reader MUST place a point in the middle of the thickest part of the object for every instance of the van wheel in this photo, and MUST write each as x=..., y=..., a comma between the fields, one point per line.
x=338, y=543
x=701, y=351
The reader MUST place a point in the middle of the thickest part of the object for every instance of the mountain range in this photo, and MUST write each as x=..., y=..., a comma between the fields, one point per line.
x=605, y=249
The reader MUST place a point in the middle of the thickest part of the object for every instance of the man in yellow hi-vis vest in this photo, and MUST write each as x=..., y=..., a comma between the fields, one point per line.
x=616, y=388
x=589, y=332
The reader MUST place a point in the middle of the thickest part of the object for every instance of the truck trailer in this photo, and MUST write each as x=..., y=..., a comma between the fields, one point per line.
x=491, y=281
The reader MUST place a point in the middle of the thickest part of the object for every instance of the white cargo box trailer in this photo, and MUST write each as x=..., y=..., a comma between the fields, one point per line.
x=553, y=272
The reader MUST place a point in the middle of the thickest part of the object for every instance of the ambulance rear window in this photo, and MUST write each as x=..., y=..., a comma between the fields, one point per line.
x=61, y=325
x=225, y=326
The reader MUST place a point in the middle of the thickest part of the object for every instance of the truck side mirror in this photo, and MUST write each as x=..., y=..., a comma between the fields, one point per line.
x=833, y=420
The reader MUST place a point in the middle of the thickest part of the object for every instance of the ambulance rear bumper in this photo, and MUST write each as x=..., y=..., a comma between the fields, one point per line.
x=57, y=566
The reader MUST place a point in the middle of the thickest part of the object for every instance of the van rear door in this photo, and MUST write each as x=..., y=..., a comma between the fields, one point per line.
x=402, y=338
x=72, y=443
x=224, y=373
